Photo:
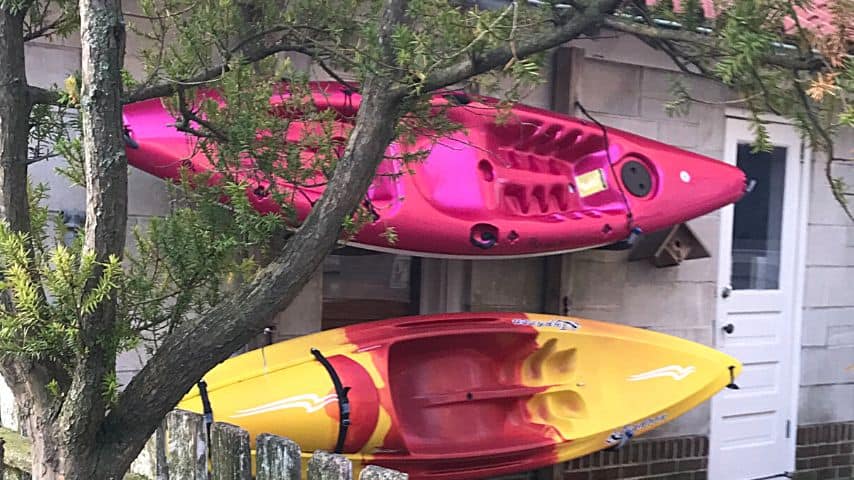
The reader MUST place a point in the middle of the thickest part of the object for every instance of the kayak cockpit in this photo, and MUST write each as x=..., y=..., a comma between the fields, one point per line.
x=464, y=394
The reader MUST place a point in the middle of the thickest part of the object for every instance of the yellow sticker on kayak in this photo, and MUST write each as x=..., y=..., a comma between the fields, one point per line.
x=591, y=182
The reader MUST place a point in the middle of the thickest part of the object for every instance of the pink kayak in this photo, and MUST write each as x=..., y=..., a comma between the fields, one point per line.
x=536, y=184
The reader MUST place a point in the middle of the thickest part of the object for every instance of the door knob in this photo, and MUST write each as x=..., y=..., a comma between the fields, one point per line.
x=726, y=291
x=728, y=328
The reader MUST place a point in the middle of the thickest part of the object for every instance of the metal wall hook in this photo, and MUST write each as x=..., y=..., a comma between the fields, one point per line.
x=751, y=184
x=732, y=385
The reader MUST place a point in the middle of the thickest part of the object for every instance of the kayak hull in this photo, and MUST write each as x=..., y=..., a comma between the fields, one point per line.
x=533, y=184
x=467, y=395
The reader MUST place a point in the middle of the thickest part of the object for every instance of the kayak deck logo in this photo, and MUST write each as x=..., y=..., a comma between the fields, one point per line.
x=618, y=438
x=556, y=323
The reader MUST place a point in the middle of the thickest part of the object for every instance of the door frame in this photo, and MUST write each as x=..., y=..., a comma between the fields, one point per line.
x=797, y=298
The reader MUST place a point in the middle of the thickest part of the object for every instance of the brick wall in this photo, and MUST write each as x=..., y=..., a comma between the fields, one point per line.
x=825, y=451
x=677, y=458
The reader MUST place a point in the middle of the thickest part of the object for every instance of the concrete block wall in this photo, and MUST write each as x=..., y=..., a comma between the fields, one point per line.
x=604, y=285
x=507, y=285
x=827, y=356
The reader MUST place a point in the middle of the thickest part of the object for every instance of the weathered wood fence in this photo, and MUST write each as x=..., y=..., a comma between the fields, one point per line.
x=179, y=451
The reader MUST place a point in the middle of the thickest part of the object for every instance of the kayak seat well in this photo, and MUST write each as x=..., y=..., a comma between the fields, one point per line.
x=538, y=160
x=463, y=393
x=527, y=169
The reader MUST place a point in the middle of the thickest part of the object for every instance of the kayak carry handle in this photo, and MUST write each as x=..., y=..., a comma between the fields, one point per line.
x=343, y=402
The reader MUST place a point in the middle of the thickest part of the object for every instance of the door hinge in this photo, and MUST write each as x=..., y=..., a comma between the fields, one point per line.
x=788, y=428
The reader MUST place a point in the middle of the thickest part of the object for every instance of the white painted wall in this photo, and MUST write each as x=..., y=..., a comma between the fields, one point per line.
x=827, y=360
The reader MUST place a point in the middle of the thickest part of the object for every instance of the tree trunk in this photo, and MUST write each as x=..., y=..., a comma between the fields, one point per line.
x=14, y=122
x=102, y=32
x=26, y=378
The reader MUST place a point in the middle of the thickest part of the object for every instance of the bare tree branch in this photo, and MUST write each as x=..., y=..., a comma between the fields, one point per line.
x=43, y=96
x=827, y=140
x=782, y=60
x=592, y=16
x=45, y=29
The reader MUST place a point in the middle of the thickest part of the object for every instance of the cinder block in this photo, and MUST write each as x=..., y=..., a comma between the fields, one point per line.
x=707, y=229
x=507, y=284
x=679, y=133
x=844, y=145
x=50, y=64
x=644, y=272
x=827, y=245
x=656, y=83
x=821, y=366
x=829, y=287
x=366, y=276
x=304, y=314
x=625, y=48
x=596, y=288
x=539, y=95
x=712, y=135
x=844, y=170
x=644, y=128
x=827, y=327
x=608, y=87
x=600, y=256
x=824, y=209
x=654, y=109
x=826, y=403
x=129, y=363
x=62, y=195
x=709, y=150
x=842, y=335
x=702, y=334
x=147, y=194
x=669, y=305
x=693, y=422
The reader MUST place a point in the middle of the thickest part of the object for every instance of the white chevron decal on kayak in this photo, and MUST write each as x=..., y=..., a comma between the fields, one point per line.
x=309, y=401
x=675, y=372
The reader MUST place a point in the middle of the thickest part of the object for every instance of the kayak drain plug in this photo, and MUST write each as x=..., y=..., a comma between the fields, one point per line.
x=483, y=236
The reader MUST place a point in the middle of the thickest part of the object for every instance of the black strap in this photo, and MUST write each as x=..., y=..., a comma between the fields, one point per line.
x=206, y=410
x=343, y=401
x=129, y=141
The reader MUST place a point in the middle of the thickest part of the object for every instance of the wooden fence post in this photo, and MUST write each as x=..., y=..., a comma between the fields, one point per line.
x=277, y=458
x=230, y=457
x=327, y=466
x=186, y=455
x=373, y=472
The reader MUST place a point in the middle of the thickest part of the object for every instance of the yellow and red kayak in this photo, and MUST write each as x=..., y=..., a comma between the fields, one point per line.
x=470, y=395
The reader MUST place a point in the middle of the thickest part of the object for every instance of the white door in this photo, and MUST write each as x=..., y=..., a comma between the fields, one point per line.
x=753, y=428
